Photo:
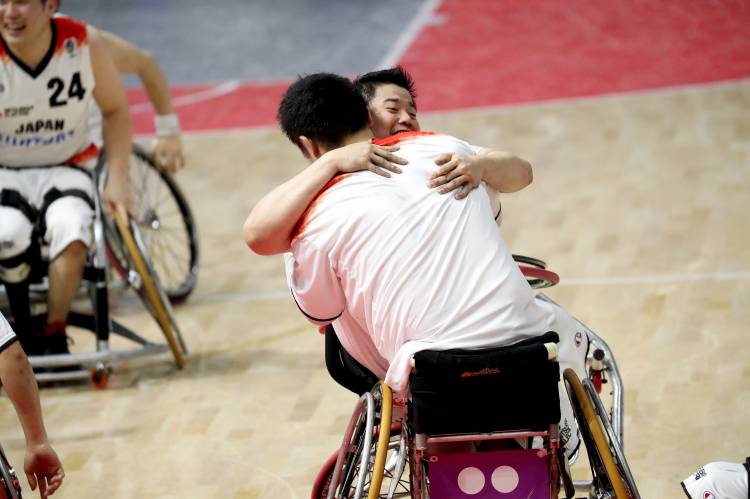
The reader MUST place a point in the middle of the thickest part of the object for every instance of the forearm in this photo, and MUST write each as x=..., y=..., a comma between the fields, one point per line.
x=268, y=228
x=504, y=172
x=117, y=135
x=20, y=385
x=156, y=84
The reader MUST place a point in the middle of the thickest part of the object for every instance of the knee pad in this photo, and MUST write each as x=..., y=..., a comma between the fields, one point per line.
x=15, y=232
x=67, y=219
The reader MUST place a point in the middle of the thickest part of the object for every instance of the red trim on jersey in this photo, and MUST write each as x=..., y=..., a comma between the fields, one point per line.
x=87, y=154
x=401, y=137
x=302, y=222
x=68, y=27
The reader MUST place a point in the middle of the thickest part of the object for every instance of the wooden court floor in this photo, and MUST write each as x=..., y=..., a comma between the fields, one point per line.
x=640, y=202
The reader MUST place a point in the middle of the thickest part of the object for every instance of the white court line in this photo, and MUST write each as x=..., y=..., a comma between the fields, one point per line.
x=408, y=35
x=254, y=296
x=655, y=279
x=185, y=100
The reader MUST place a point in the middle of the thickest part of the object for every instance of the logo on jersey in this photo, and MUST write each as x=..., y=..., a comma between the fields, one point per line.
x=579, y=339
x=70, y=46
x=41, y=126
x=14, y=112
x=700, y=473
x=708, y=495
x=15, y=141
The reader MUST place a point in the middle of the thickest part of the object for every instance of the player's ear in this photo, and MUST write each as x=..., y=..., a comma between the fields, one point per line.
x=310, y=148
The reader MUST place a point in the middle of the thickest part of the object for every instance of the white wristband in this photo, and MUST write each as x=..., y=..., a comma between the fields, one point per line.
x=167, y=125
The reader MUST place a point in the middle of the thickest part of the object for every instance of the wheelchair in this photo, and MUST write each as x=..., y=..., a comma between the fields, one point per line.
x=454, y=441
x=10, y=487
x=132, y=254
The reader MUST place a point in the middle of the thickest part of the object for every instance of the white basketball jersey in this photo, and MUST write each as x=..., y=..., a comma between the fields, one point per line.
x=412, y=269
x=44, y=110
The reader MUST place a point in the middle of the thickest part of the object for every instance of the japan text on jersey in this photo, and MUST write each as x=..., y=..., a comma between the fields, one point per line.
x=44, y=110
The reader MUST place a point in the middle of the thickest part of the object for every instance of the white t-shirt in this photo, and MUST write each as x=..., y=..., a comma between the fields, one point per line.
x=44, y=111
x=7, y=335
x=401, y=268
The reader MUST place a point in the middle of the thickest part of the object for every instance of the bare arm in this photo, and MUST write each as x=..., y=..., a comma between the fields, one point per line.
x=130, y=59
x=116, y=127
x=502, y=171
x=268, y=228
x=42, y=466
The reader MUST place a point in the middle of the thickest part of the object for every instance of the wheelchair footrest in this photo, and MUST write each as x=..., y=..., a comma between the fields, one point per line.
x=512, y=474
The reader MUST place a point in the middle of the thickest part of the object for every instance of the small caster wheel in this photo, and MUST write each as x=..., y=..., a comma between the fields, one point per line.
x=100, y=376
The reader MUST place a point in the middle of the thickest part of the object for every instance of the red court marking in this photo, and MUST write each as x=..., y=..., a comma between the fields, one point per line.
x=495, y=53
x=490, y=53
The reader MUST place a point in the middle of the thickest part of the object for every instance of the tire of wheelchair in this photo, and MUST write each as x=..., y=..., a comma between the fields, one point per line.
x=149, y=292
x=397, y=483
x=617, y=450
x=364, y=450
x=606, y=470
x=181, y=288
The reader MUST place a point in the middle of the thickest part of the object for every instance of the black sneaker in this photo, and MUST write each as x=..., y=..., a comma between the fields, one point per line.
x=56, y=344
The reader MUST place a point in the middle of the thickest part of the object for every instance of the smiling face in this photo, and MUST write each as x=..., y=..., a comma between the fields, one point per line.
x=25, y=25
x=392, y=110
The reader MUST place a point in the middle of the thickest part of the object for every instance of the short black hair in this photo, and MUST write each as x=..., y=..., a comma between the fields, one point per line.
x=367, y=83
x=324, y=107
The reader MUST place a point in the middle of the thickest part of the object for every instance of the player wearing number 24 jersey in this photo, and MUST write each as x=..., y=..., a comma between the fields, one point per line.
x=44, y=119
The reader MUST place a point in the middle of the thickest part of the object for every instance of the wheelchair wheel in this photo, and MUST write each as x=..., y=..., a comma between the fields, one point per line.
x=148, y=287
x=360, y=467
x=395, y=482
x=607, y=471
x=169, y=231
x=617, y=448
x=10, y=487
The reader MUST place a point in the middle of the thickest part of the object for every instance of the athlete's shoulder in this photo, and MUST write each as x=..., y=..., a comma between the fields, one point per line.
x=69, y=31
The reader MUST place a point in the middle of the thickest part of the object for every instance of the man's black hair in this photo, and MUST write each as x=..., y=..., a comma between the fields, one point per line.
x=367, y=83
x=324, y=107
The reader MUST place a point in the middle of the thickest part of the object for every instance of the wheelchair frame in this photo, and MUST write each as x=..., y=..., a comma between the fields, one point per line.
x=96, y=280
x=601, y=432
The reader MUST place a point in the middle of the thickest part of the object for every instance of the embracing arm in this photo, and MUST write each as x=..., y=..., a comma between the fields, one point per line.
x=268, y=229
x=502, y=171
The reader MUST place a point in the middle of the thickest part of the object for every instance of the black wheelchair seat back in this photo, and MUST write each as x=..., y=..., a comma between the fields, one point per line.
x=344, y=368
x=499, y=389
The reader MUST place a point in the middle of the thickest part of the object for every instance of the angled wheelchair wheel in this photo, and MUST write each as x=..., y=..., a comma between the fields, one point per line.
x=146, y=283
x=164, y=219
x=10, y=487
x=609, y=480
x=615, y=444
x=360, y=466
x=395, y=483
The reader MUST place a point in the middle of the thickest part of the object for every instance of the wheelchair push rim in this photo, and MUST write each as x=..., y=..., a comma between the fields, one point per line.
x=165, y=221
x=606, y=470
x=149, y=290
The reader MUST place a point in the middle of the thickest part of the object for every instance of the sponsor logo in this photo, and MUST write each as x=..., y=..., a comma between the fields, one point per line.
x=70, y=46
x=487, y=371
x=700, y=473
x=579, y=339
x=14, y=141
x=14, y=112
x=708, y=495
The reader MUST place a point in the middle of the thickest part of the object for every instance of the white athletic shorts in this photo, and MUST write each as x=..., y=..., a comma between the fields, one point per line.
x=67, y=219
x=719, y=480
x=7, y=336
